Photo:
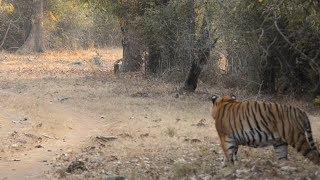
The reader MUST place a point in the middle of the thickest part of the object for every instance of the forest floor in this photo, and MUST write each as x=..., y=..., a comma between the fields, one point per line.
x=65, y=115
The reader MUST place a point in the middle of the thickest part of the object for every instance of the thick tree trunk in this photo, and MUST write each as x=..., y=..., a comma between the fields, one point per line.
x=39, y=27
x=34, y=42
x=316, y=90
x=193, y=76
x=200, y=57
x=132, y=49
x=196, y=69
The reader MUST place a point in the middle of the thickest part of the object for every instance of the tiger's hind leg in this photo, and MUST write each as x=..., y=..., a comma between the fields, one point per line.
x=235, y=154
x=281, y=149
x=230, y=148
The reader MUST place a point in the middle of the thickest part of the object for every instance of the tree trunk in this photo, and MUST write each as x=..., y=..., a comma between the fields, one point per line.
x=132, y=49
x=269, y=76
x=196, y=68
x=34, y=42
x=193, y=76
x=316, y=90
x=191, y=17
x=200, y=57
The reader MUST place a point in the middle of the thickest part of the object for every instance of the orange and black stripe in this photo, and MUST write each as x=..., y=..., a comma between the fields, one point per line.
x=255, y=123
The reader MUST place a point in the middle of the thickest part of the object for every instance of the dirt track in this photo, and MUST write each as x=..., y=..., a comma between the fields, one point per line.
x=57, y=109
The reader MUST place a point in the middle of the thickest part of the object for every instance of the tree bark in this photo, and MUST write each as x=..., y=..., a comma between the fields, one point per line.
x=316, y=90
x=34, y=42
x=269, y=76
x=132, y=47
x=200, y=57
x=196, y=69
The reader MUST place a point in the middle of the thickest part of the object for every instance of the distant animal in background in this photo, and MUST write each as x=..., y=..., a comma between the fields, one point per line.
x=118, y=66
x=97, y=59
x=261, y=124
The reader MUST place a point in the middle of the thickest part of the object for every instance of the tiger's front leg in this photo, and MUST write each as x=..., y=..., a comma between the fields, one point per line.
x=230, y=148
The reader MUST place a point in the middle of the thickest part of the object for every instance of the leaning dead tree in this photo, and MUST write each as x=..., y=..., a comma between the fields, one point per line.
x=201, y=55
x=34, y=42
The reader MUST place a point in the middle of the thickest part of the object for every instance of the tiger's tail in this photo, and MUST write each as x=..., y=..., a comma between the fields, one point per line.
x=311, y=152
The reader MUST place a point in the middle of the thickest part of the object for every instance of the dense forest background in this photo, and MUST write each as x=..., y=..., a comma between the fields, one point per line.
x=121, y=89
x=263, y=46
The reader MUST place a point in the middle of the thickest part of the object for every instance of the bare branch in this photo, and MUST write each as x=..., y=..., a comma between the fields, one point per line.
x=5, y=35
x=312, y=62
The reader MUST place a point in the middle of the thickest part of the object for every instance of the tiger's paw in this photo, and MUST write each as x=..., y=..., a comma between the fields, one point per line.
x=227, y=163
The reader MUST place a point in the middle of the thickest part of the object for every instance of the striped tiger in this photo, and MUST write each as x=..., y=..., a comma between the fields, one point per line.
x=261, y=124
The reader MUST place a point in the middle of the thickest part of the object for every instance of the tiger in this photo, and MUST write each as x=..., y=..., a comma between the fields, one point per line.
x=260, y=124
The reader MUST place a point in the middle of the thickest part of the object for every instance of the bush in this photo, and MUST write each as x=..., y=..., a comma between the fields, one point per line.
x=68, y=24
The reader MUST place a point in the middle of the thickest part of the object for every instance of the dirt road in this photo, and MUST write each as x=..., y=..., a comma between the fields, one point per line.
x=61, y=108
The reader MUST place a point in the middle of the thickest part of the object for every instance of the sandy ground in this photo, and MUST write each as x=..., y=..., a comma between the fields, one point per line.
x=64, y=115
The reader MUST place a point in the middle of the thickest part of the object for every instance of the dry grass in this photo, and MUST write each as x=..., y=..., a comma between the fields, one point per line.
x=171, y=132
x=58, y=64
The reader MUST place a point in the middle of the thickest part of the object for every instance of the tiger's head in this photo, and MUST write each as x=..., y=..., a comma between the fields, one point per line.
x=218, y=101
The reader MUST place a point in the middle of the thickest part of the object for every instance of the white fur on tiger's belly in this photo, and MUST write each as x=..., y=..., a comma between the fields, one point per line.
x=253, y=140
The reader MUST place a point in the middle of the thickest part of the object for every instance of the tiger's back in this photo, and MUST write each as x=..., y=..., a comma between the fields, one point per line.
x=260, y=124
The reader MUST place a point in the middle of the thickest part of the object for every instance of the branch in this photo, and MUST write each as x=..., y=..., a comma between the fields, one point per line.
x=265, y=50
x=5, y=35
x=311, y=60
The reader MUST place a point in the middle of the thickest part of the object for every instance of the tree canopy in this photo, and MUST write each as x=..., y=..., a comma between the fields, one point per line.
x=270, y=46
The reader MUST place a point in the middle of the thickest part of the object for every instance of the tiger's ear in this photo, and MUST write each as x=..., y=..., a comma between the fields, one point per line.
x=233, y=97
x=214, y=98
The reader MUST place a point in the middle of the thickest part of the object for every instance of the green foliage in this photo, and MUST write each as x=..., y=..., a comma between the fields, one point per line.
x=7, y=8
x=121, y=8
x=316, y=101
x=68, y=23
x=165, y=32
x=106, y=29
x=170, y=33
x=106, y=6
x=272, y=44
x=14, y=23
x=297, y=45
